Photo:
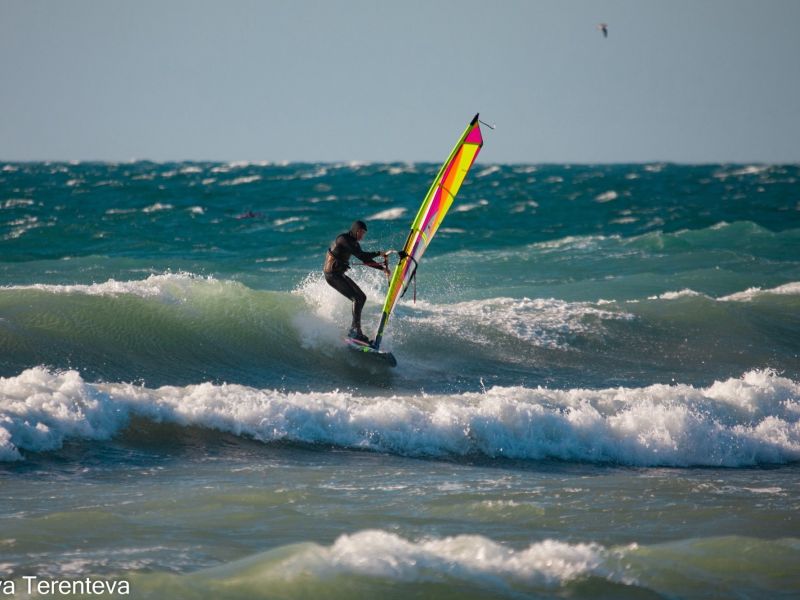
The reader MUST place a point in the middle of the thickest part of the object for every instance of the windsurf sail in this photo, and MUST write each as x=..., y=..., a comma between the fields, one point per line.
x=430, y=215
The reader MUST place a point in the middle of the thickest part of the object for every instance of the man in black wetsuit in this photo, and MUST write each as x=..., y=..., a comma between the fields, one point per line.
x=337, y=261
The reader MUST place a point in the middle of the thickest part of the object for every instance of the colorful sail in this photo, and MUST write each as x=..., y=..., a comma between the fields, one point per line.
x=430, y=215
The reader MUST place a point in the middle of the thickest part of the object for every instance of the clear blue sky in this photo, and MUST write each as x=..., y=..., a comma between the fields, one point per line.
x=385, y=80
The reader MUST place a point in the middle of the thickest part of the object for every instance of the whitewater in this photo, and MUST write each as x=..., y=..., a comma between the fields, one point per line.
x=597, y=391
x=753, y=420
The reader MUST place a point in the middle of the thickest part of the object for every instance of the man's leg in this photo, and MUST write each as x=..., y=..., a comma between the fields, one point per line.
x=359, y=299
x=348, y=288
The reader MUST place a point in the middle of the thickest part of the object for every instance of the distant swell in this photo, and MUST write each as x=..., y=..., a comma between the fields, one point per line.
x=752, y=420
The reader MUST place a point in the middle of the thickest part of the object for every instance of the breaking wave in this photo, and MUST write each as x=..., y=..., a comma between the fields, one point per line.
x=381, y=563
x=746, y=421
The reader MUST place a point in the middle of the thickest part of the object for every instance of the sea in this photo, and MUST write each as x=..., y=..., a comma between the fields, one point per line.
x=597, y=392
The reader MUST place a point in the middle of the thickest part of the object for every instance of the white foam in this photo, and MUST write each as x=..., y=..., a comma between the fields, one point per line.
x=747, y=170
x=170, y=286
x=242, y=180
x=685, y=293
x=157, y=207
x=474, y=558
x=574, y=242
x=744, y=421
x=771, y=491
x=402, y=170
x=330, y=315
x=288, y=220
x=239, y=164
x=521, y=207
x=39, y=409
x=320, y=172
x=788, y=289
x=356, y=165
x=16, y=202
x=546, y=323
x=606, y=196
x=388, y=215
x=491, y=170
x=8, y=451
x=469, y=207
x=23, y=226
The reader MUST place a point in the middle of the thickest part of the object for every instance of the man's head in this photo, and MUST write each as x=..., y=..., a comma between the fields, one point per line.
x=358, y=229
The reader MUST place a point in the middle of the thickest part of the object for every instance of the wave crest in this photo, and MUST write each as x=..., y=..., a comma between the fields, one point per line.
x=739, y=422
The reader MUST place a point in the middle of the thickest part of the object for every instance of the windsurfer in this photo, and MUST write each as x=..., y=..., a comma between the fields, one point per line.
x=337, y=261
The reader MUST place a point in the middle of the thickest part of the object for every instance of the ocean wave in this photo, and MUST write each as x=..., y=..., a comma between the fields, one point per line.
x=16, y=203
x=401, y=169
x=573, y=242
x=746, y=421
x=376, y=562
x=539, y=322
x=788, y=289
x=182, y=327
x=288, y=220
x=471, y=206
x=490, y=170
x=172, y=327
x=385, y=555
x=387, y=215
x=241, y=180
x=748, y=295
x=190, y=170
x=742, y=171
x=735, y=236
x=606, y=196
x=685, y=293
x=22, y=226
x=546, y=323
x=157, y=207
x=169, y=286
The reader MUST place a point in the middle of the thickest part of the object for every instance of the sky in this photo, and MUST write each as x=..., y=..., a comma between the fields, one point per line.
x=688, y=81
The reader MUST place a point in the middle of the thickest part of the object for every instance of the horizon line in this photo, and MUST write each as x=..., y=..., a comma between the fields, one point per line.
x=358, y=162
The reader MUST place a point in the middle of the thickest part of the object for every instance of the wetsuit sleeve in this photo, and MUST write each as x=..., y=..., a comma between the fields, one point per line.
x=355, y=248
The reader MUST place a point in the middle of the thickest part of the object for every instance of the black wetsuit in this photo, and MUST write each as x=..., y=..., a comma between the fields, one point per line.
x=337, y=262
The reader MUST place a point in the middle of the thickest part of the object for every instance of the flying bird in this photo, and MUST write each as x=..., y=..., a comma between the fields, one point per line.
x=604, y=28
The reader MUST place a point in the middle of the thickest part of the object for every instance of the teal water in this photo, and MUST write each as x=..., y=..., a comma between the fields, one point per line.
x=598, y=390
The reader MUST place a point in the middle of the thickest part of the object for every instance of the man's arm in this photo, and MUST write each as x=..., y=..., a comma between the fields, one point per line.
x=356, y=250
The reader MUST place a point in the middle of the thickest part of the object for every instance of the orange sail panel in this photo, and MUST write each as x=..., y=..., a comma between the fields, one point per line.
x=431, y=213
